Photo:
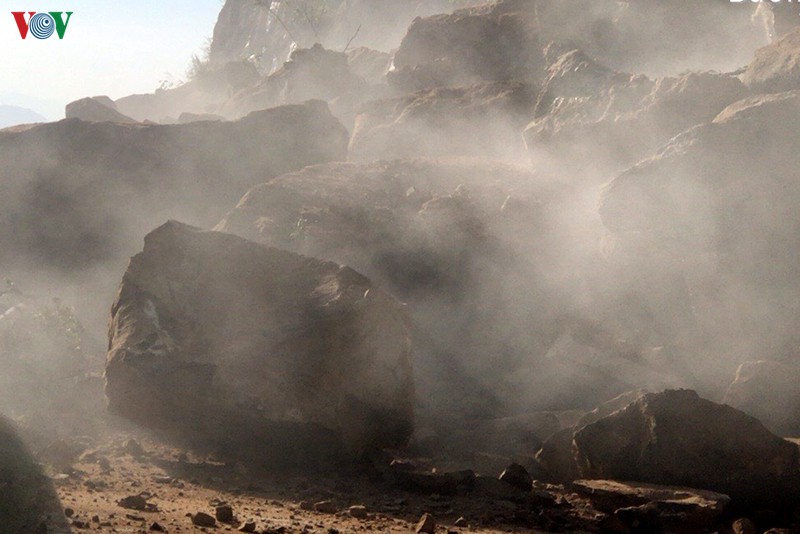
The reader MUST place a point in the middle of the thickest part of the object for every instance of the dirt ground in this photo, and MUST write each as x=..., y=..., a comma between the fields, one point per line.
x=176, y=484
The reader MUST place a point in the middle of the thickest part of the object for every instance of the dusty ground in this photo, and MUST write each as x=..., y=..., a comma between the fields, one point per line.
x=177, y=484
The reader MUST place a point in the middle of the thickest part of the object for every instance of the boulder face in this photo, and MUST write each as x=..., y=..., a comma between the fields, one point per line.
x=776, y=67
x=769, y=391
x=481, y=120
x=677, y=438
x=493, y=42
x=28, y=501
x=233, y=341
x=96, y=109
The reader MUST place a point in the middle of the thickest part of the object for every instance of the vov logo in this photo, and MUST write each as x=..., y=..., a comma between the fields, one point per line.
x=42, y=25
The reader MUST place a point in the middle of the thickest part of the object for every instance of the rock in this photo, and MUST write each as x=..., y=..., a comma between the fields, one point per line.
x=677, y=438
x=461, y=522
x=776, y=67
x=656, y=38
x=326, y=507
x=706, y=208
x=249, y=526
x=250, y=381
x=429, y=231
x=492, y=42
x=70, y=178
x=768, y=391
x=156, y=527
x=133, y=502
x=479, y=120
x=224, y=513
x=133, y=447
x=358, y=512
x=371, y=65
x=594, y=120
x=28, y=500
x=675, y=505
x=311, y=73
x=96, y=109
x=426, y=525
x=744, y=526
x=202, y=519
x=517, y=476
x=556, y=454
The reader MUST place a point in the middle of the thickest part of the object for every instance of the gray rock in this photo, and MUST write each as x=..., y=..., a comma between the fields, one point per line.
x=96, y=109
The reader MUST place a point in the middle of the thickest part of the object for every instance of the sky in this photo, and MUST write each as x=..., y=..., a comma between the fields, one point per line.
x=110, y=48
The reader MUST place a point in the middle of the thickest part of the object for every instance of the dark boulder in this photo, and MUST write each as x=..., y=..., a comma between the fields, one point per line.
x=677, y=438
x=28, y=500
x=492, y=42
x=239, y=343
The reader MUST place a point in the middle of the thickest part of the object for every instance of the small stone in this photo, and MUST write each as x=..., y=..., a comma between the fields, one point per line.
x=307, y=506
x=133, y=448
x=134, y=502
x=250, y=526
x=95, y=519
x=69, y=512
x=224, y=513
x=359, y=512
x=426, y=525
x=517, y=476
x=744, y=526
x=461, y=522
x=201, y=519
x=155, y=527
x=326, y=507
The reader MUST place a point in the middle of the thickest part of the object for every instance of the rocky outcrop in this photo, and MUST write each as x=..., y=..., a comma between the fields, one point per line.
x=776, y=67
x=595, y=121
x=677, y=438
x=96, y=109
x=493, y=42
x=240, y=343
x=28, y=501
x=769, y=391
x=483, y=120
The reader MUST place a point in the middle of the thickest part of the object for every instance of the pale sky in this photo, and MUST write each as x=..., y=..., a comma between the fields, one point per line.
x=112, y=48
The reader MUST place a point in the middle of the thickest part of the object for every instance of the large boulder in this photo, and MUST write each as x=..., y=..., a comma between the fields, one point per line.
x=677, y=438
x=77, y=196
x=481, y=120
x=493, y=42
x=706, y=231
x=769, y=391
x=28, y=501
x=595, y=121
x=95, y=109
x=236, y=342
x=776, y=67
